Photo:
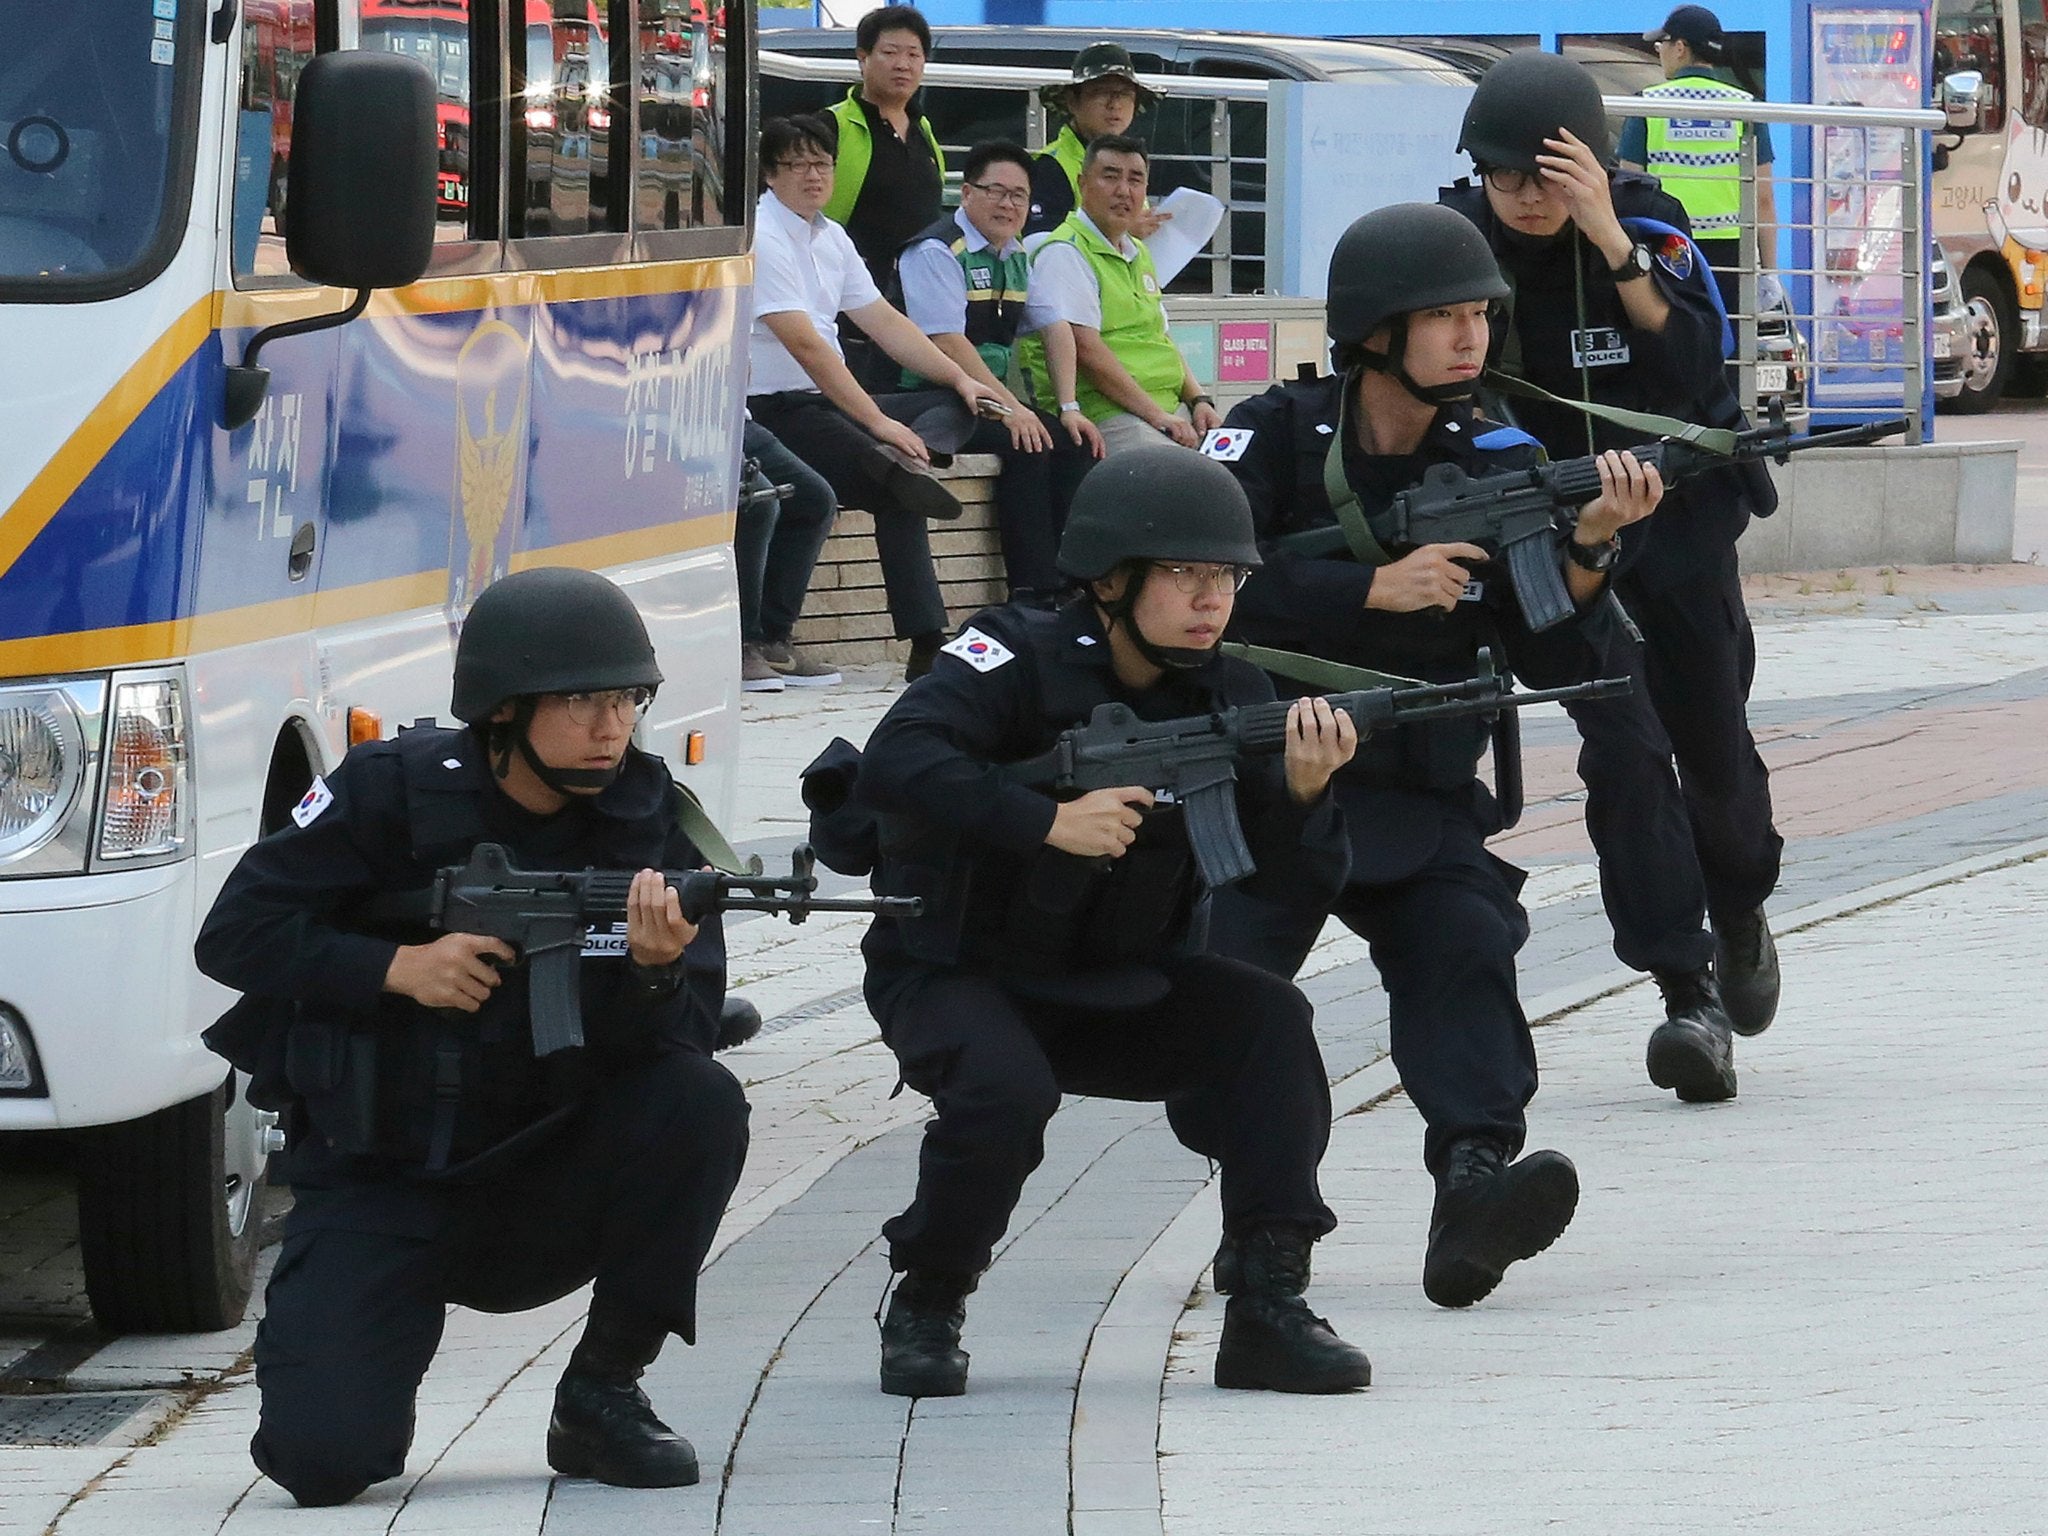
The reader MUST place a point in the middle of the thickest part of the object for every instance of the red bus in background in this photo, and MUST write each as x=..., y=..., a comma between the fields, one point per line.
x=436, y=34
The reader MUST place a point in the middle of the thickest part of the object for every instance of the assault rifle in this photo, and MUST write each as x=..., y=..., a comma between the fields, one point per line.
x=1518, y=515
x=1192, y=761
x=550, y=916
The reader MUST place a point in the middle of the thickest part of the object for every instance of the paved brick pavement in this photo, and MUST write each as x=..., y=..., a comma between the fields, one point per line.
x=1749, y=1318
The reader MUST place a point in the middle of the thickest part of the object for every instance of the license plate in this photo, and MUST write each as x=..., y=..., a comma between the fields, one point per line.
x=1771, y=378
x=1944, y=345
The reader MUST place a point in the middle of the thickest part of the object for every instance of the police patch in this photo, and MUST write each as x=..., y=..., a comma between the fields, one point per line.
x=1675, y=256
x=314, y=801
x=982, y=652
x=605, y=942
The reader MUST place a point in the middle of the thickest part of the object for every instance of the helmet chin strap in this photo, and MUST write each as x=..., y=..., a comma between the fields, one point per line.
x=1394, y=364
x=1168, y=658
x=563, y=781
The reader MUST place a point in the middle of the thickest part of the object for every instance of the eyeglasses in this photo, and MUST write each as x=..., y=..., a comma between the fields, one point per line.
x=1508, y=183
x=589, y=708
x=1008, y=197
x=805, y=167
x=1193, y=579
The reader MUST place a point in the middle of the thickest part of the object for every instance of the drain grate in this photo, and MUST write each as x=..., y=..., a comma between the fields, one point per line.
x=70, y=1418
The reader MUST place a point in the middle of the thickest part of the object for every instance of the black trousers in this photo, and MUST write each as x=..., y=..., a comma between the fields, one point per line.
x=1032, y=493
x=629, y=1195
x=1444, y=940
x=1229, y=1051
x=1674, y=846
x=833, y=444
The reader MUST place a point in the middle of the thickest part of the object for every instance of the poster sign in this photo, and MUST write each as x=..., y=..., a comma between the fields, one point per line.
x=1244, y=352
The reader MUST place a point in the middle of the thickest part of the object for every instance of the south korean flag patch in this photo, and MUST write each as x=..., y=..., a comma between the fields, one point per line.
x=312, y=803
x=1675, y=255
x=982, y=652
x=1227, y=444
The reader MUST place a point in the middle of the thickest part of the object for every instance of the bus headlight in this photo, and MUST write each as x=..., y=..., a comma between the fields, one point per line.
x=145, y=802
x=42, y=768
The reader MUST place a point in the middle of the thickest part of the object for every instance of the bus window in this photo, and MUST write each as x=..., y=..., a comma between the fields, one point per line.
x=92, y=99
x=1967, y=37
x=681, y=175
x=435, y=33
x=565, y=119
x=278, y=37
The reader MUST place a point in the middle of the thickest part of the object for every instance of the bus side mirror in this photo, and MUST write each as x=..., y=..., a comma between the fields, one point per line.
x=360, y=199
x=1960, y=97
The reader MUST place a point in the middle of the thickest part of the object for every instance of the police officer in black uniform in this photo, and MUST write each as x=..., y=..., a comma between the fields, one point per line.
x=1410, y=291
x=1613, y=304
x=433, y=1158
x=1057, y=949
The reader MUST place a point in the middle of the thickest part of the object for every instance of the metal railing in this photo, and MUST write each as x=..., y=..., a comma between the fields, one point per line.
x=1804, y=336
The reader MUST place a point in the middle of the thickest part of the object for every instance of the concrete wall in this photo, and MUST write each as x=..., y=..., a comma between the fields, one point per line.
x=1930, y=504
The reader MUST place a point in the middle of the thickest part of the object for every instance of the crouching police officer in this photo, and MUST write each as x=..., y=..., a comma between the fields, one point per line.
x=1410, y=291
x=433, y=1158
x=1056, y=949
x=1614, y=307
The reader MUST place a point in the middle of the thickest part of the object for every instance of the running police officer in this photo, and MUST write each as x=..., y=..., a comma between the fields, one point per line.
x=1054, y=954
x=1410, y=290
x=433, y=1157
x=1612, y=305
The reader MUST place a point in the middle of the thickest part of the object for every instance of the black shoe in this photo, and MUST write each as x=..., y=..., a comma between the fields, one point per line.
x=1226, y=1270
x=914, y=488
x=924, y=650
x=1746, y=969
x=604, y=1428
x=1271, y=1341
x=738, y=1022
x=1490, y=1213
x=1693, y=1050
x=921, y=1353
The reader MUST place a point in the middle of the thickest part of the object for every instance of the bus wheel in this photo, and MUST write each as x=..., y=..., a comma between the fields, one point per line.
x=1989, y=344
x=170, y=1214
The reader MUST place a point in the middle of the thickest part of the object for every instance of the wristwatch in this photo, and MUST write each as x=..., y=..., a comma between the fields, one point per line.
x=1195, y=400
x=656, y=982
x=1634, y=265
x=1593, y=557
x=1070, y=405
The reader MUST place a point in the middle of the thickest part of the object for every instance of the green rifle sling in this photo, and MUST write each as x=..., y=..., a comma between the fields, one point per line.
x=699, y=828
x=1331, y=676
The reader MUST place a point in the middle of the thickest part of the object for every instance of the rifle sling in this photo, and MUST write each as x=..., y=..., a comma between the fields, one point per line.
x=1366, y=549
x=1330, y=676
x=1721, y=441
x=699, y=828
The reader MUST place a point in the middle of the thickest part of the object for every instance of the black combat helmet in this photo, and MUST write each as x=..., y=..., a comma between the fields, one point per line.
x=1157, y=503
x=1408, y=256
x=549, y=630
x=1523, y=100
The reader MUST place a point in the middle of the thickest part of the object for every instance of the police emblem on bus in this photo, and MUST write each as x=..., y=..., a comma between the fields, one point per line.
x=490, y=458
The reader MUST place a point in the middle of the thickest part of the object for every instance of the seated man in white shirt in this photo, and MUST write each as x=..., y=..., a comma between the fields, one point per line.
x=964, y=282
x=1093, y=273
x=806, y=273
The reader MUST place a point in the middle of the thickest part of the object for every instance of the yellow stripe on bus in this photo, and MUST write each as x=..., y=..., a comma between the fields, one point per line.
x=139, y=644
x=60, y=479
x=489, y=290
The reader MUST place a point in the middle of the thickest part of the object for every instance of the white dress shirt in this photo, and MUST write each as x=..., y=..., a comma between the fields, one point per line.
x=801, y=266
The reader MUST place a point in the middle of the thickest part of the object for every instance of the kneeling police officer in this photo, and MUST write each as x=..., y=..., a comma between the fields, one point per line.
x=1057, y=948
x=433, y=1157
x=1410, y=292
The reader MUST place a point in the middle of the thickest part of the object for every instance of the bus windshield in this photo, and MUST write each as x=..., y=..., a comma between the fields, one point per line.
x=89, y=97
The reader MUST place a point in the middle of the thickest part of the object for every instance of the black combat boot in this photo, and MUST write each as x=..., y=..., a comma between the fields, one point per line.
x=603, y=1425
x=1746, y=970
x=921, y=1353
x=1271, y=1341
x=1693, y=1050
x=1490, y=1213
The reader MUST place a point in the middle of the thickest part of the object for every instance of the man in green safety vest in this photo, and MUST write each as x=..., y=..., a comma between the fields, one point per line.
x=1103, y=96
x=889, y=174
x=1091, y=272
x=1699, y=160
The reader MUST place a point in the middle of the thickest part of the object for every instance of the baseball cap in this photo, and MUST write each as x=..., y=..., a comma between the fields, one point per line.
x=1693, y=25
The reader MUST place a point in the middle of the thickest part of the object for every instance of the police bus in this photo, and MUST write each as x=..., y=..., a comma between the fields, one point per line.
x=209, y=591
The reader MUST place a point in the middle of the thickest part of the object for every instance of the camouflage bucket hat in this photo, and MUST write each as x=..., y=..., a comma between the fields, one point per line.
x=1098, y=61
